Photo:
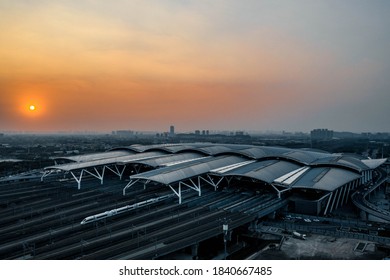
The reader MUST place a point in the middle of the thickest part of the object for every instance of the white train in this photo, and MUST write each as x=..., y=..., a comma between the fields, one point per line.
x=123, y=209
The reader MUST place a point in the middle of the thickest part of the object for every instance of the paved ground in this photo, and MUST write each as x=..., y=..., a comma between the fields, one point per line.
x=379, y=198
x=321, y=247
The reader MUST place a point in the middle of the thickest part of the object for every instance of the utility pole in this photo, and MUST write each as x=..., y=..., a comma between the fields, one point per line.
x=225, y=228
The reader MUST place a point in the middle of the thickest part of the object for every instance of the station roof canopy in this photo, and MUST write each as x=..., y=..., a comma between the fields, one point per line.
x=170, y=148
x=306, y=157
x=98, y=156
x=267, y=170
x=106, y=161
x=324, y=178
x=169, y=160
x=262, y=152
x=374, y=163
x=301, y=156
x=285, y=167
x=171, y=153
x=340, y=160
x=175, y=173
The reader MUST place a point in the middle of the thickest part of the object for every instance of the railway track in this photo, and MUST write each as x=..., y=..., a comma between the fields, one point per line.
x=43, y=221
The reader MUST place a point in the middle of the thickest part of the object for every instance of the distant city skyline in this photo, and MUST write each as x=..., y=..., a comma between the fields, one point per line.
x=178, y=132
x=250, y=65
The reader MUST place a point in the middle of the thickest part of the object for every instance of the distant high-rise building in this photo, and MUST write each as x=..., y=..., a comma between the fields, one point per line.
x=320, y=134
x=124, y=133
x=172, y=130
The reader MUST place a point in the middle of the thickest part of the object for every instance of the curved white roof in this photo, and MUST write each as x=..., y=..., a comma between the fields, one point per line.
x=171, y=174
x=325, y=178
x=292, y=168
x=266, y=171
x=374, y=163
x=105, y=161
x=97, y=156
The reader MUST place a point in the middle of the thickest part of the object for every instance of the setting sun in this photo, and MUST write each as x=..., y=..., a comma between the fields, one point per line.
x=101, y=66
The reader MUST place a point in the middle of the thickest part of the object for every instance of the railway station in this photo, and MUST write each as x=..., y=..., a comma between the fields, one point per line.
x=153, y=201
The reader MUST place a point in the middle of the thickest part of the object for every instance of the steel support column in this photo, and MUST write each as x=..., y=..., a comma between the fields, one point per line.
x=327, y=205
x=78, y=180
x=349, y=190
x=338, y=199
x=199, y=185
x=276, y=189
x=137, y=168
x=97, y=175
x=47, y=173
x=343, y=197
x=178, y=193
x=131, y=183
x=117, y=172
x=194, y=187
x=228, y=180
x=210, y=181
x=334, y=198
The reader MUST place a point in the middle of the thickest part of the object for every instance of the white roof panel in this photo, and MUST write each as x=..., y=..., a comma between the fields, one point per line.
x=374, y=163
x=292, y=176
x=97, y=156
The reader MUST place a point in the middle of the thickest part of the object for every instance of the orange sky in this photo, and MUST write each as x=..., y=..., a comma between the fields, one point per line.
x=90, y=65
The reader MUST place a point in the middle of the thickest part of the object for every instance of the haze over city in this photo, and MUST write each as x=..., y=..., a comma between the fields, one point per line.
x=240, y=65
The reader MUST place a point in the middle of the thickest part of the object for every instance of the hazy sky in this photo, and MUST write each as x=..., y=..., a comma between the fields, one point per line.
x=239, y=65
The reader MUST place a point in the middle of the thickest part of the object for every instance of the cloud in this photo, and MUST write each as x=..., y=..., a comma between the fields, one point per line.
x=220, y=64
